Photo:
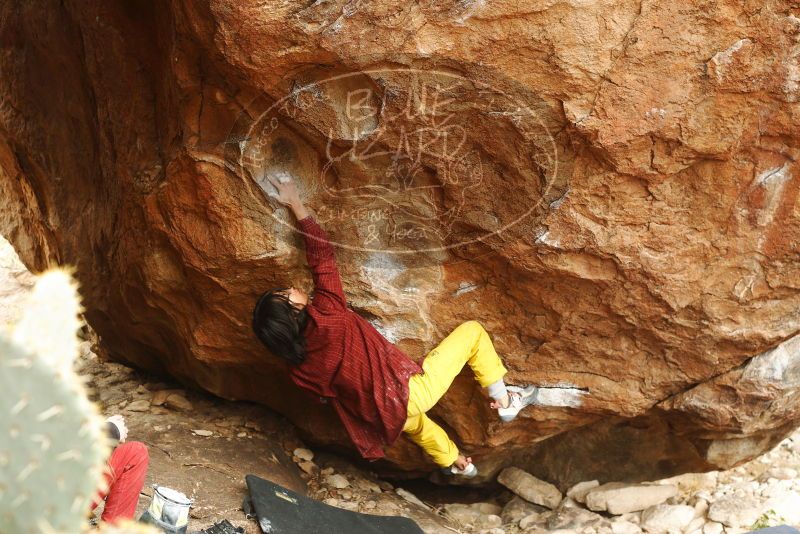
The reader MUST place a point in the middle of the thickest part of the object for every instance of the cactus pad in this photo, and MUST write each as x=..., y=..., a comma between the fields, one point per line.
x=52, y=446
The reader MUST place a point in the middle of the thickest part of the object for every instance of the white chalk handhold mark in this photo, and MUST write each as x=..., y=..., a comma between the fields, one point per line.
x=283, y=177
x=544, y=238
x=777, y=175
x=465, y=287
x=776, y=365
x=565, y=397
x=773, y=182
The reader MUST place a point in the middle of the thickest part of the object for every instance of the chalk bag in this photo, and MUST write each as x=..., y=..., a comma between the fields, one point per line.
x=169, y=510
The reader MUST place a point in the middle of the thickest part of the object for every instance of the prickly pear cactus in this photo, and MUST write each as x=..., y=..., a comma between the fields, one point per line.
x=52, y=446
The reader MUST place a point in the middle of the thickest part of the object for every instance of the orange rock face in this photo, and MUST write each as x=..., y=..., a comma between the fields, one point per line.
x=611, y=188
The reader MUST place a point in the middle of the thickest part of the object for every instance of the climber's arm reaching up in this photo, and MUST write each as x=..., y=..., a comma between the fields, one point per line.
x=328, y=290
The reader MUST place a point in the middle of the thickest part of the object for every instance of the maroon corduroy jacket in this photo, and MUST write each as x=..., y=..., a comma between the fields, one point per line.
x=348, y=362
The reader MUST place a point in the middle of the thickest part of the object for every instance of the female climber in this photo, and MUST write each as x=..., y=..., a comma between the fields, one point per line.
x=376, y=389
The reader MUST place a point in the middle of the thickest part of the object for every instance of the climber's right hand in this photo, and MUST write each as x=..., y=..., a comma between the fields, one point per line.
x=286, y=187
x=287, y=194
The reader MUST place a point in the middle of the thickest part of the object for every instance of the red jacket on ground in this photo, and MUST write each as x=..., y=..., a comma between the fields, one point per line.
x=362, y=374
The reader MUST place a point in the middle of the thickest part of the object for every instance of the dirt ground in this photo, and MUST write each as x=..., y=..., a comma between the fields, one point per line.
x=204, y=446
x=208, y=469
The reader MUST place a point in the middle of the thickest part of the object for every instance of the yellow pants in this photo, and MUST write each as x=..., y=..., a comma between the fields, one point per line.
x=469, y=343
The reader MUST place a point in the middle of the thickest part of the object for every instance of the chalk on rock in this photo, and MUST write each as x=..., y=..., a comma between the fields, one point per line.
x=566, y=397
x=530, y=488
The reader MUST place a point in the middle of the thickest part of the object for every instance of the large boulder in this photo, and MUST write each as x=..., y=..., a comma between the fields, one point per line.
x=609, y=187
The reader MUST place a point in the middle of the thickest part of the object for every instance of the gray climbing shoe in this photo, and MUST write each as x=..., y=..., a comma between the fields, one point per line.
x=469, y=472
x=520, y=398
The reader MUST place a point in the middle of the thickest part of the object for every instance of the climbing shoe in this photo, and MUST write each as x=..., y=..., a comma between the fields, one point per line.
x=520, y=398
x=468, y=472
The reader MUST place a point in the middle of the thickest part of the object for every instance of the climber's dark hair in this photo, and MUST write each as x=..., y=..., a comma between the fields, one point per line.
x=279, y=326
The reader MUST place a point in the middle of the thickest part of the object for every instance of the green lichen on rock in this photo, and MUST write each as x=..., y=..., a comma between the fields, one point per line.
x=52, y=446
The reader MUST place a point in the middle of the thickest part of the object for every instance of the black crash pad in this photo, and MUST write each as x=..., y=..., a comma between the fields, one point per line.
x=282, y=511
x=785, y=529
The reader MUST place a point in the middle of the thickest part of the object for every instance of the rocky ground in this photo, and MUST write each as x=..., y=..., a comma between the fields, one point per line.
x=204, y=446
